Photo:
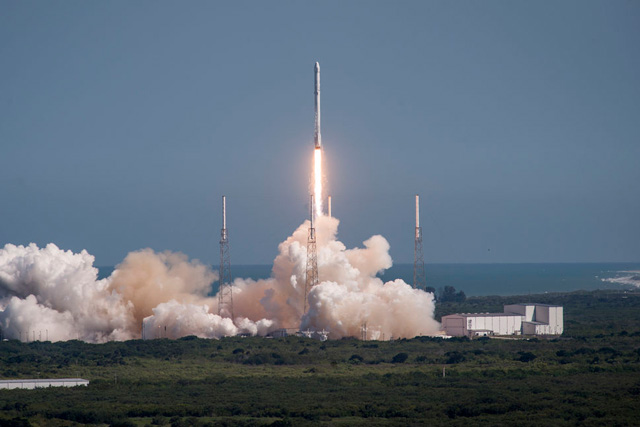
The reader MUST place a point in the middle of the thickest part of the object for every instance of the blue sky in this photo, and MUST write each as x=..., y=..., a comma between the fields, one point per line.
x=518, y=123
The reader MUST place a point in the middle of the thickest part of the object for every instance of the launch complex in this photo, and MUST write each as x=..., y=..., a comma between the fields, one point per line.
x=225, y=293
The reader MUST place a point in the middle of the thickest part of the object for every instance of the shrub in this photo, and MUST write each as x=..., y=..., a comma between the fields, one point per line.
x=355, y=358
x=15, y=422
x=399, y=358
x=526, y=356
x=159, y=420
x=459, y=410
x=285, y=422
x=448, y=294
x=257, y=359
x=454, y=357
x=609, y=350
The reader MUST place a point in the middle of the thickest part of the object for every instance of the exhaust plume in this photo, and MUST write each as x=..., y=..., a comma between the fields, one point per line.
x=317, y=180
x=48, y=292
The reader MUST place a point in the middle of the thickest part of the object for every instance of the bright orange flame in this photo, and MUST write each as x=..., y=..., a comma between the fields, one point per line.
x=317, y=180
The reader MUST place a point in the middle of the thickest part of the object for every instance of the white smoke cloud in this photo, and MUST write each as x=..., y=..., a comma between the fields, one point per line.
x=350, y=295
x=58, y=292
x=173, y=319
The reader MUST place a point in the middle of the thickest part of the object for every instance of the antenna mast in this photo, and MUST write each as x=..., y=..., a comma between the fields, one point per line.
x=419, y=276
x=225, y=293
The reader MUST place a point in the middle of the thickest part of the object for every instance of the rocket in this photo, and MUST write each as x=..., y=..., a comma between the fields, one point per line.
x=317, y=139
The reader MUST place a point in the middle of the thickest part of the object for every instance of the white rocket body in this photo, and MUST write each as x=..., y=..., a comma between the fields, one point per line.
x=317, y=138
x=418, y=231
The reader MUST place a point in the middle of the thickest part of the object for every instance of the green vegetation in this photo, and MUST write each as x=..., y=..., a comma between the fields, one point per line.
x=448, y=294
x=590, y=376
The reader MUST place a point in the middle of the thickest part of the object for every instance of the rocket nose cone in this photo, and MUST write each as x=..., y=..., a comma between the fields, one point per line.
x=317, y=67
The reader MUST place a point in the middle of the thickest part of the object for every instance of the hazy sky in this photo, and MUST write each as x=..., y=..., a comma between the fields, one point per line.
x=122, y=124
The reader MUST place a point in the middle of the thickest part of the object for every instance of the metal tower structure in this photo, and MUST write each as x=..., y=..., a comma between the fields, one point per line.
x=225, y=294
x=312, y=259
x=363, y=331
x=419, y=276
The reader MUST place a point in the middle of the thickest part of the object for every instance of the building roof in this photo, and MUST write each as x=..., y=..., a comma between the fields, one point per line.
x=486, y=315
x=535, y=303
x=43, y=380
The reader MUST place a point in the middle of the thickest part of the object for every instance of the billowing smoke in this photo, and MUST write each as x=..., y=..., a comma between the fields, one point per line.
x=56, y=294
x=48, y=293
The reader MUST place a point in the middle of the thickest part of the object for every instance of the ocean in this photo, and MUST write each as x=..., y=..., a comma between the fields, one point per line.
x=522, y=279
x=494, y=279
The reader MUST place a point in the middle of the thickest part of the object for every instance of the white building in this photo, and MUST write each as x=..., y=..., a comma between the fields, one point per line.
x=517, y=319
x=31, y=383
x=481, y=324
x=539, y=319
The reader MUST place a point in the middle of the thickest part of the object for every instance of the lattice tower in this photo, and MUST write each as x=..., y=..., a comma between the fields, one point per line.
x=225, y=293
x=419, y=275
x=312, y=259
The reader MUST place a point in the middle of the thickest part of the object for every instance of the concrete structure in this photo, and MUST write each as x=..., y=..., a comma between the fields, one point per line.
x=517, y=319
x=31, y=383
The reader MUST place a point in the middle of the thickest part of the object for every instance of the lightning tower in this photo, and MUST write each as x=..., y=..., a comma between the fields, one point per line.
x=225, y=294
x=419, y=276
x=312, y=258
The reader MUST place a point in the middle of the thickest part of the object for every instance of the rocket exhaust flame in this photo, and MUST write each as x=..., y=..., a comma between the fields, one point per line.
x=317, y=179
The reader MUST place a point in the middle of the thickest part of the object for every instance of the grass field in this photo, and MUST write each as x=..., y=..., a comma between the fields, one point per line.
x=589, y=376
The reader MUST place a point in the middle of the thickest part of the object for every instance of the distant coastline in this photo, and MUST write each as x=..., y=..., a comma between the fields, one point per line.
x=492, y=279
